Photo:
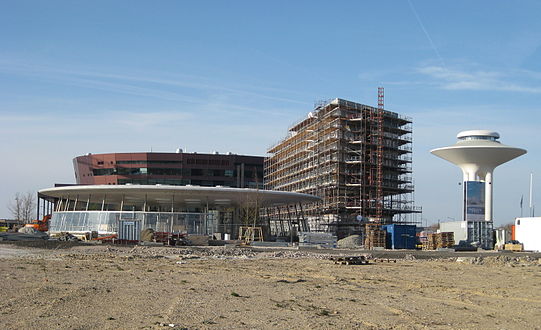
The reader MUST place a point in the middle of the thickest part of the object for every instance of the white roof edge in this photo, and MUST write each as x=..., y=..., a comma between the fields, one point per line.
x=168, y=188
x=458, y=146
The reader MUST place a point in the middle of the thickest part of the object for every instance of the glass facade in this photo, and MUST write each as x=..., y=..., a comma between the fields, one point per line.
x=107, y=222
x=167, y=171
x=126, y=162
x=478, y=137
x=228, y=170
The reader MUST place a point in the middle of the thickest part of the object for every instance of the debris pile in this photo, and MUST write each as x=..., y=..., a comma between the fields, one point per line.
x=501, y=260
x=350, y=242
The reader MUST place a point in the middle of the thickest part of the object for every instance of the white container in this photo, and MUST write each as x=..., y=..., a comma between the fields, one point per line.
x=527, y=232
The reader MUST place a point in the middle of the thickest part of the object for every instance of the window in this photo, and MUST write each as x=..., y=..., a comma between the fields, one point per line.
x=126, y=162
x=131, y=171
x=165, y=171
x=104, y=171
x=215, y=172
x=197, y=172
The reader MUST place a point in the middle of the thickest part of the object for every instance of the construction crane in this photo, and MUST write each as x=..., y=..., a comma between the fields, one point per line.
x=374, y=237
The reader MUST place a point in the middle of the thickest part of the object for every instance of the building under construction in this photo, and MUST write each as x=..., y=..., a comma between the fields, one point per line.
x=357, y=158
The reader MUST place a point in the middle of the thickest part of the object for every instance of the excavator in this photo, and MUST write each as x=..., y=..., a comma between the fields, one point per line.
x=40, y=225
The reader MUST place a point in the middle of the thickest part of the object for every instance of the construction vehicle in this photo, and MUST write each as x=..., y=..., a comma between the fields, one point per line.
x=9, y=225
x=40, y=225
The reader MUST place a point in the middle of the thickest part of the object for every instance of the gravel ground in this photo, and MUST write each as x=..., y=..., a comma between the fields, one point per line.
x=77, y=286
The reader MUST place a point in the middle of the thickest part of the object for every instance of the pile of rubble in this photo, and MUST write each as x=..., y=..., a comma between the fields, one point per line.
x=501, y=260
x=209, y=252
x=351, y=242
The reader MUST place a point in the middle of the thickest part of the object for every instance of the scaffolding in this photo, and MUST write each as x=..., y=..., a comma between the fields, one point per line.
x=357, y=158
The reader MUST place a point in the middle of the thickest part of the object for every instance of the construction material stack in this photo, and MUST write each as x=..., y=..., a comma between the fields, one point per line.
x=375, y=238
x=439, y=240
x=447, y=239
x=310, y=239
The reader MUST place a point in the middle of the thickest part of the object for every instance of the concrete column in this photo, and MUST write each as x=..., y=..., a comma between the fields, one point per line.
x=488, y=196
x=465, y=175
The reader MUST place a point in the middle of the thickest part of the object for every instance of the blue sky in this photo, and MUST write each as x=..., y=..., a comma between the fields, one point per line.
x=124, y=76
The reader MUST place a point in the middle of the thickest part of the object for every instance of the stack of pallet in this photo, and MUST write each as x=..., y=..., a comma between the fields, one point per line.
x=429, y=243
x=375, y=238
x=439, y=240
x=447, y=239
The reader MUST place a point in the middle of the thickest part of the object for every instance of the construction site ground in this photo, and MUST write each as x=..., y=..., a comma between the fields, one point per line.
x=76, y=286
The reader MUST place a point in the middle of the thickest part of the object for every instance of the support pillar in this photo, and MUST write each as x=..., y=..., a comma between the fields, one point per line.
x=488, y=196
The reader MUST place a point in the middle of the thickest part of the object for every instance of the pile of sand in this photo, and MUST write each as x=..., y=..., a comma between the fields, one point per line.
x=350, y=242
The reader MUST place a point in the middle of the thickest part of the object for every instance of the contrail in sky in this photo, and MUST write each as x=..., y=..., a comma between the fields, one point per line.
x=426, y=34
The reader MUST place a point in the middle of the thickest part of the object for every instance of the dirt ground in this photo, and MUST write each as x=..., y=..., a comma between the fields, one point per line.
x=111, y=287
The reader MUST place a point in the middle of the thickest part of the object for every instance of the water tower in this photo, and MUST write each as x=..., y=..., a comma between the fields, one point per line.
x=478, y=153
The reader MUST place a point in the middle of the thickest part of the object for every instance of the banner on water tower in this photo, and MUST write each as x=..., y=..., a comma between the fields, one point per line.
x=475, y=200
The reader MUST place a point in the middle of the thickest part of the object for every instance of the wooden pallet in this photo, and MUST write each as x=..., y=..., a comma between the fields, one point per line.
x=375, y=238
x=439, y=240
x=388, y=260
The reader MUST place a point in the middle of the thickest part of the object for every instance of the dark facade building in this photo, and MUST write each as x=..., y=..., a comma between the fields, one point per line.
x=180, y=169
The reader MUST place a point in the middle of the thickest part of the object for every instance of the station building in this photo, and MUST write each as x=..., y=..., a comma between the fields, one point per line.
x=112, y=209
x=179, y=192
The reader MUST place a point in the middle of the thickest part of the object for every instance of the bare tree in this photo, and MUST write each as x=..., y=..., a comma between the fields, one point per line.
x=23, y=207
x=249, y=209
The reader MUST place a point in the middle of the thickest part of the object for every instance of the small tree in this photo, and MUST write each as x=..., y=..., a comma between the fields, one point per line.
x=23, y=207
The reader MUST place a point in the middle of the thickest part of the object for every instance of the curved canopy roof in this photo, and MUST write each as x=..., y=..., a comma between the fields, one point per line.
x=177, y=195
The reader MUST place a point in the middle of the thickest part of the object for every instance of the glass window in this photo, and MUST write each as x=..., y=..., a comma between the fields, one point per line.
x=126, y=162
x=197, y=172
x=215, y=172
x=104, y=171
